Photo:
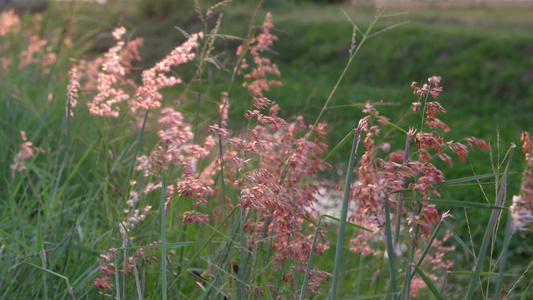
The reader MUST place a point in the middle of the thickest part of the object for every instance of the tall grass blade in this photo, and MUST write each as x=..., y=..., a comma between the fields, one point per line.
x=505, y=252
x=524, y=294
x=169, y=246
x=133, y=161
x=270, y=241
x=457, y=203
x=117, y=281
x=344, y=140
x=67, y=158
x=429, y=284
x=489, y=229
x=359, y=277
x=310, y=262
x=206, y=243
x=458, y=239
x=347, y=223
x=70, y=289
x=163, y=238
x=466, y=179
x=140, y=295
x=409, y=278
x=481, y=274
x=390, y=250
x=242, y=254
x=9, y=236
x=344, y=214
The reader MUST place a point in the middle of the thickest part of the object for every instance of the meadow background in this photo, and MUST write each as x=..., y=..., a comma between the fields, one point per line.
x=58, y=216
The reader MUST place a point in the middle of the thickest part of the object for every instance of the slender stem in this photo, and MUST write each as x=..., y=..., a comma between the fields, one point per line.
x=390, y=250
x=489, y=229
x=400, y=196
x=499, y=281
x=344, y=212
x=366, y=35
x=163, y=239
x=309, y=262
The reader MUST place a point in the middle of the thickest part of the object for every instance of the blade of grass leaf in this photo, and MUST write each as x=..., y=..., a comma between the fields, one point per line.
x=348, y=223
x=457, y=238
x=359, y=272
x=457, y=203
x=524, y=294
x=267, y=258
x=466, y=179
x=117, y=281
x=344, y=211
x=70, y=289
x=67, y=158
x=242, y=247
x=376, y=296
x=429, y=284
x=507, y=237
x=344, y=140
x=28, y=248
x=489, y=229
x=390, y=250
x=133, y=161
x=169, y=245
x=163, y=238
x=140, y=295
x=419, y=262
x=211, y=237
x=482, y=274
x=310, y=262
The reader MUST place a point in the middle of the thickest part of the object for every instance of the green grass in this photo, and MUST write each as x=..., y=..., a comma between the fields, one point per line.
x=61, y=214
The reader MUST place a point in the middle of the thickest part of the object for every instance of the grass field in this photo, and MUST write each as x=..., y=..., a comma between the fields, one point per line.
x=80, y=193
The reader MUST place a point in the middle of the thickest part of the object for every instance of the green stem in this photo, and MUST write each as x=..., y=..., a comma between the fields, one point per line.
x=344, y=211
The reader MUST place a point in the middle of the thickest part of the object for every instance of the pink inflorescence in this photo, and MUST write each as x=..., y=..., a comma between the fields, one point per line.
x=271, y=165
x=111, y=79
x=522, y=207
x=381, y=179
x=26, y=150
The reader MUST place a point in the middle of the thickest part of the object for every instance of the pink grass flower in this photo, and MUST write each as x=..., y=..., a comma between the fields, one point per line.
x=435, y=80
x=26, y=150
x=263, y=66
x=148, y=96
x=9, y=22
x=522, y=206
x=379, y=178
x=194, y=217
x=103, y=284
x=72, y=90
x=111, y=80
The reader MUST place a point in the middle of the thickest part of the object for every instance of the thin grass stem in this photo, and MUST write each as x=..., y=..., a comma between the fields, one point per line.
x=163, y=239
x=344, y=211
x=489, y=229
x=505, y=253
x=310, y=262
